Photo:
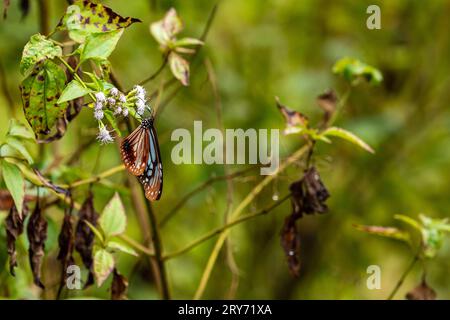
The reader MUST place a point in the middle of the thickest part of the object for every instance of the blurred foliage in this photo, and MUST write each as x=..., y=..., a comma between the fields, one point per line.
x=258, y=50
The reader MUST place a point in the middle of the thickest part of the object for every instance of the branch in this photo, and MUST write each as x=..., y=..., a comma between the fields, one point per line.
x=403, y=277
x=201, y=187
x=228, y=225
x=247, y=200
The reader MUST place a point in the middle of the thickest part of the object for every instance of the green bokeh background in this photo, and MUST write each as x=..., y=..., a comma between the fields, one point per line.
x=262, y=49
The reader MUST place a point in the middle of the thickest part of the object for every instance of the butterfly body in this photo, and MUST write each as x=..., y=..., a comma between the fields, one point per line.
x=141, y=156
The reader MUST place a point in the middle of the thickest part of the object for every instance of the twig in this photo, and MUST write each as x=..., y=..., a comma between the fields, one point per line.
x=96, y=178
x=228, y=225
x=157, y=72
x=200, y=188
x=247, y=200
x=403, y=277
x=136, y=245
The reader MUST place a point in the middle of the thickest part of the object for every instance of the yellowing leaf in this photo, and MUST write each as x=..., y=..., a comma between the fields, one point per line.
x=103, y=265
x=113, y=220
x=121, y=247
x=164, y=30
x=179, y=68
x=347, y=135
x=18, y=129
x=100, y=45
x=36, y=50
x=18, y=145
x=389, y=232
x=84, y=18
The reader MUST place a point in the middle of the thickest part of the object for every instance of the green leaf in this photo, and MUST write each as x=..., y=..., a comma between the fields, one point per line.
x=113, y=220
x=73, y=90
x=84, y=18
x=40, y=93
x=97, y=232
x=109, y=115
x=409, y=221
x=179, y=68
x=18, y=145
x=14, y=182
x=164, y=30
x=103, y=265
x=121, y=247
x=347, y=135
x=36, y=50
x=188, y=42
x=353, y=70
x=388, y=232
x=18, y=129
x=100, y=45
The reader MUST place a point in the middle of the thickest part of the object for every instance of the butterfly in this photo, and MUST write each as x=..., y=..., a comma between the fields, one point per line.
x=141, y=156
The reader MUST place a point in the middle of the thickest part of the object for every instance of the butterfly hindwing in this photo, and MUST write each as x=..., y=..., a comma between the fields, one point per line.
x=152, y=178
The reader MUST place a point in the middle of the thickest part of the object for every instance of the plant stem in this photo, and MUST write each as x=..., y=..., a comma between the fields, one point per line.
x=228, y=225
x=136, y=245
x=157, y=72
x=96, y=178
x=247, y=200
x=44, y=17
x=404, y=275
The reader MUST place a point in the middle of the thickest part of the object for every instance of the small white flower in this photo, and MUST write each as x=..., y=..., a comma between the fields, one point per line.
x=111, y=101
x=114, y=92
x=104, y=136
x=98, y=114
x=122, y=98
x=140, y=93
x=125, y=112
x=118, y=110
x=100, y=97
x=98, y=105
x=140, y=107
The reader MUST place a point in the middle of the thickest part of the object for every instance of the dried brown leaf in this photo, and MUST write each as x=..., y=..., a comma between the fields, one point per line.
x=290, y=241
x=119, y=286
x=421, y=292
x=327, y=101
x=14, y=228
x=37, y=234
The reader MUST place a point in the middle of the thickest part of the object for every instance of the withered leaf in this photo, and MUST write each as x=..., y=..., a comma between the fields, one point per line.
x=293, y=118
x=66, y=245
x=14, y=228
x=327, y=101
x=119, y=286
x=84, y=237
x=309, y=194
x=37, y=234
x=290, y=241
x=421, y=292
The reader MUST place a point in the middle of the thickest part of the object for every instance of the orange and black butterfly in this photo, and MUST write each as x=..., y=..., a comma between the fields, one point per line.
x=141, y=156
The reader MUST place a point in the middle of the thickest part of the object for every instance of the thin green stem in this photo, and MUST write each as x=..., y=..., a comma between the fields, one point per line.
x=403, y=277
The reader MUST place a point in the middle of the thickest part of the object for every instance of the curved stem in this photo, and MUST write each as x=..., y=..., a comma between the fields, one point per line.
x=228, y=225
x=247, y=200
x=403, y=277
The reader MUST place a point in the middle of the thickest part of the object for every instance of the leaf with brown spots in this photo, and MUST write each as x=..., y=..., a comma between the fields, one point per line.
x=40, y=93
x=37, y=234
x=84, y=236
x=421, y=292
x=295, y=120
x=14, y=228
x=84, y=18
x=119, y=286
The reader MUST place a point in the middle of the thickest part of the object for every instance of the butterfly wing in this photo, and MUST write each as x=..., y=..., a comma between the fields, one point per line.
x=134, y=150
x=152, y=178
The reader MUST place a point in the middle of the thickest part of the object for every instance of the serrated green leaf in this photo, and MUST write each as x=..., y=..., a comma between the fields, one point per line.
x=121, y=247
x=179, y=68
x=113, y=220
x=40, y=93
x=73, y=90
x=103, y=265
x=36, y=50
x=347, y=135
x=100, y=45
x=14, y=182
x=388, y=232
x=18, y=129
x=84, y=18
x=18, y=145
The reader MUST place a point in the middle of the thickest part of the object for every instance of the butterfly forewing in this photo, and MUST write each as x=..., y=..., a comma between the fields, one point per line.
x=135, y=151
x=152, y=178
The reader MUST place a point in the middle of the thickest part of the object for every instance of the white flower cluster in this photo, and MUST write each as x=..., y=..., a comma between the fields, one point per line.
x=119, y=104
